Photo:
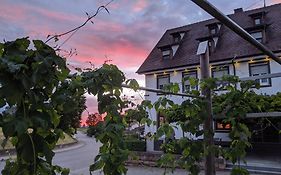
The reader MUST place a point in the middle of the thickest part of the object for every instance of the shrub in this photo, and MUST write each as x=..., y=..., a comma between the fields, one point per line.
x=94, y=130
x=131, y=136
x=136, y=145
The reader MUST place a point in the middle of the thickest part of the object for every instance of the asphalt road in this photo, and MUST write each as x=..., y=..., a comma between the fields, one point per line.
x=79, y=157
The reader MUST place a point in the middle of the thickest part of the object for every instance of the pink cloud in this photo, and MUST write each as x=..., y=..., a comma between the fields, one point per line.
x=140, y=5
x=122, y=53
x=16, y=15
x=275, y=1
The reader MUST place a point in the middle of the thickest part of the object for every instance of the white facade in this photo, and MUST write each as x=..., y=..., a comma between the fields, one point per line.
x=242, y=69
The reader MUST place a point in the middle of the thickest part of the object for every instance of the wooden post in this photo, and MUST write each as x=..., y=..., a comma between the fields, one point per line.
x=208, y=123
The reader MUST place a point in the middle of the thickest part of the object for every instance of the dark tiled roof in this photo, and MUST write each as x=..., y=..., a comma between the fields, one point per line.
x=229, y=43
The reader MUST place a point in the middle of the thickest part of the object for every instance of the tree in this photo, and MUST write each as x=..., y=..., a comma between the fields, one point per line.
x=95, y=123
x=93, y=119
x=96, y=129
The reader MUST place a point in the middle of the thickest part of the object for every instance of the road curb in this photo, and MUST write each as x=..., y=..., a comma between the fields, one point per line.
x=6, y=153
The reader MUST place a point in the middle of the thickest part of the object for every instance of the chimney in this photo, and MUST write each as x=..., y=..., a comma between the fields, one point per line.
x=239, y=10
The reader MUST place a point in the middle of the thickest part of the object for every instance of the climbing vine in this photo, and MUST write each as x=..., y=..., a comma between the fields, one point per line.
x=188, y=151
x=34, y=90
x=28, y=80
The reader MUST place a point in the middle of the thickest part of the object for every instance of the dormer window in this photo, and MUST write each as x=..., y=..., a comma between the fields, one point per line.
x=166, y=53
x=258, y=18
x=213, y=30
x=258, y=36
x=177, y=38
x=257, y=21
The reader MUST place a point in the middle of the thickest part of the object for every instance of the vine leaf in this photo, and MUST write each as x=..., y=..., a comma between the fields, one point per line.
x=96, y=166
x=133, y=84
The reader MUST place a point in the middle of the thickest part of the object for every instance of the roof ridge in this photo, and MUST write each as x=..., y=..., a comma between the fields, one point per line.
x=229, y=15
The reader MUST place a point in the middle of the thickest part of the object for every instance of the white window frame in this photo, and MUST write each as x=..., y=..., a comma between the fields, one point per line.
x=161, y=86
x=258, y=21
x=264, y=82
x=166, y=53
x=186, y=84
x=220, y=69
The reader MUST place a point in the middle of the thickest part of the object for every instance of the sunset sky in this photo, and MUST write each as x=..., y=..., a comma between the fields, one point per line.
x=125, y=36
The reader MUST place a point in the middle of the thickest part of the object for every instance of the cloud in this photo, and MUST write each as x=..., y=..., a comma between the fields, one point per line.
x=126, y=35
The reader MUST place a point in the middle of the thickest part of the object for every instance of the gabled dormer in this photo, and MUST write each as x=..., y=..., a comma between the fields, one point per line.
x=258, y=18
x=258, y=29
x=167, y=52
x=214, y=29
x=178, y=36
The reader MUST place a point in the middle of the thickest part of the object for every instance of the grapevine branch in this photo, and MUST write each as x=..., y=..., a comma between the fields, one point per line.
x=74, y=30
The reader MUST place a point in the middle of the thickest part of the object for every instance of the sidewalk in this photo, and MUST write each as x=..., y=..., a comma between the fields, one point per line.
x=159, y=171
x=268, y=163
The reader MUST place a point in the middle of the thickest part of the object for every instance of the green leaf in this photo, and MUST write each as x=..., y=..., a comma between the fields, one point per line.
x=164, y=102
x=1, y=49
x=2, y=102
x=65, y=171
x=25, y=148
x=133, y=84
x=96, y=166
x=49, y=154
x=147, y=103
x=55, y=118
x=63, y=75
x=193, y=81
x=143, y=121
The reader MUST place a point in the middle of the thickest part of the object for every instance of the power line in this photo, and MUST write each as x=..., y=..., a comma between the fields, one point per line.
x=255, y=3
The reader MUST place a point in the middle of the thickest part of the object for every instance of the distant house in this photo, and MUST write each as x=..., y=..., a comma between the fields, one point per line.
x=174, y=56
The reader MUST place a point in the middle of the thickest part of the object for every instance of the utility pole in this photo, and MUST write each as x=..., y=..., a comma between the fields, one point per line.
x=208, y=123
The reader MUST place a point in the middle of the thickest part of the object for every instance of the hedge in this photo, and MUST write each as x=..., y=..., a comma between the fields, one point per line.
x=136, y=145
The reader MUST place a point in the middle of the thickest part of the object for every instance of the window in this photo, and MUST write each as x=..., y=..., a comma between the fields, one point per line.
x=160, y=120
x=162, y=80
x=186, y=83
x=260, y=68
x=219, y=72
x=213, y=31
x=177, y=37
x=222, y=126
x=257, y=21
x=214, y=28
x=258, y=17
x=166, y=53
x=258, y=36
